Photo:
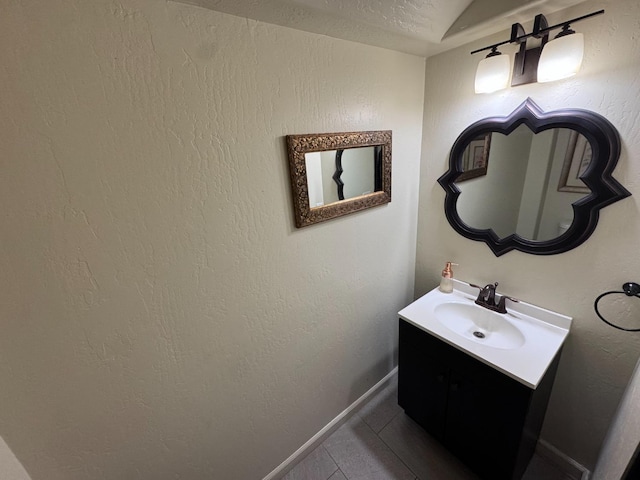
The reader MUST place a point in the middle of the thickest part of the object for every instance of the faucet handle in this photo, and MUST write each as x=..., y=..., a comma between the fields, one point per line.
x=486, y=287
x=482, y=290
x=502, y=308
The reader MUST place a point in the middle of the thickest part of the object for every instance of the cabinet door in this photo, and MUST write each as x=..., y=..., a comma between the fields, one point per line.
x=422, y=382
x=476, y=411
x=484, y=421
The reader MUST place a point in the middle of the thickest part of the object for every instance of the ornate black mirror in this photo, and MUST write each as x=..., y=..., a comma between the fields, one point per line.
x=532, y=181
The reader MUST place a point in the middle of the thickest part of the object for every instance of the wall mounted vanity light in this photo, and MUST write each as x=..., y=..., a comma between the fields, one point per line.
x=552, y=60
x=493, y=72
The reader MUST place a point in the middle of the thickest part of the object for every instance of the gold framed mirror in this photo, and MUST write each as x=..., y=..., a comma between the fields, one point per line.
x=334, y=174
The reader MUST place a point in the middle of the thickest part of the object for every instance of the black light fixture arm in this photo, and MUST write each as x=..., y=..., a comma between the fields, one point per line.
x=540, y=29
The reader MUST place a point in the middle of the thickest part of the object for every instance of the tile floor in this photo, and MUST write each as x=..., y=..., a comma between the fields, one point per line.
x=381, y=443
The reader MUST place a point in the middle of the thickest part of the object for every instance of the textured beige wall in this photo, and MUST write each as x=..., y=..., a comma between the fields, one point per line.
x=623, y=437
x=597, y=360
x=10, y=466
x=161, y=316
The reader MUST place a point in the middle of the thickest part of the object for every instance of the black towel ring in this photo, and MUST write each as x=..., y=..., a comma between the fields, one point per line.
x=630, y=289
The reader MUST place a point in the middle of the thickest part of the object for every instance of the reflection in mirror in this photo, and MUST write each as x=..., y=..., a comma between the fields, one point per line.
x=521, y=190
x=576, y=163
x=334, y=174
x=321, y=167
x=548, y=175
x=358, y=171
x=475, y=158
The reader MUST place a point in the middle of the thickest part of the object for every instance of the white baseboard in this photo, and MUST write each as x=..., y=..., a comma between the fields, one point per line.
x=564, y=463
x=328, y=429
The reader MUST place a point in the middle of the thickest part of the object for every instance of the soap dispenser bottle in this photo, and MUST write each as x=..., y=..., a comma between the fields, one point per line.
x=446, y=282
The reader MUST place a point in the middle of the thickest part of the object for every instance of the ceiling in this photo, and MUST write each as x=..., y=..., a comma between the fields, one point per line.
x=419, y=27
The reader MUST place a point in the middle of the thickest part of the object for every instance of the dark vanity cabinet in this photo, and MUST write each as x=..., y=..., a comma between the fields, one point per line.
x=487, y=419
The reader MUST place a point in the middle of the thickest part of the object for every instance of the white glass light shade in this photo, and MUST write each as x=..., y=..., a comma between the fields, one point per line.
x=561, y=58
x=493, y=74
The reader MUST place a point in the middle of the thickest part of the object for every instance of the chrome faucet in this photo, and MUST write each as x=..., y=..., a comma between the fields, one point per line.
x=487, y=298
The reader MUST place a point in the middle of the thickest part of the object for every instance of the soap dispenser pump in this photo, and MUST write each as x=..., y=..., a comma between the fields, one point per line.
x=446, y=282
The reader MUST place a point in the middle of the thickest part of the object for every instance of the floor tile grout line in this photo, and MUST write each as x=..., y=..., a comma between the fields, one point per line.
x=334, y=472
x=399, y=458
x=377, y=434
x=391, y=420
x=334, y=462
x=359, y=414
x=391, y=449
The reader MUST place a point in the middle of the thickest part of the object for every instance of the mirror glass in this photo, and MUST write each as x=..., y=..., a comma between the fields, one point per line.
x=523, y=182
x=336, y=175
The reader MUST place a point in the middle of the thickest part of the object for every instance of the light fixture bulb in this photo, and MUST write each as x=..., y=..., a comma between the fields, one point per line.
x=493, y=73
x=561, y=57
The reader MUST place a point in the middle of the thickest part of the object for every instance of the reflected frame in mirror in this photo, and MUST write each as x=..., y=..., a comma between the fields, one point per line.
x=298, y=145
x=576, y=162
x=603, y=188
x=476, y=165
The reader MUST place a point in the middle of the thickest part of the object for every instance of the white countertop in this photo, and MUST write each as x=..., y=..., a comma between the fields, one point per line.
x=544, y=331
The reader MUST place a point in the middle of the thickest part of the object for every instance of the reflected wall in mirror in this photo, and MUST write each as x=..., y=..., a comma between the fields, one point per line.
x=334, y=174
x=342, y=174
x=547, y=177
x=520, y=194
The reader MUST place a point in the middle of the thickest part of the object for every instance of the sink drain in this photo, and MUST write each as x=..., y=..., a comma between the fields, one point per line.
x=478, y=334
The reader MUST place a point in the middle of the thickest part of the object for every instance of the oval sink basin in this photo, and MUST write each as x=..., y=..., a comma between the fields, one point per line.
x=480, y=325
x=521, y=343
